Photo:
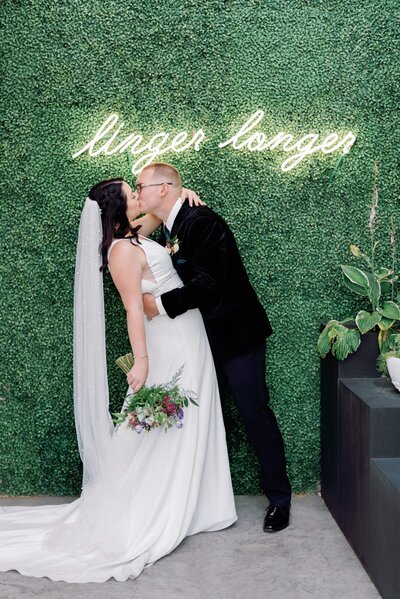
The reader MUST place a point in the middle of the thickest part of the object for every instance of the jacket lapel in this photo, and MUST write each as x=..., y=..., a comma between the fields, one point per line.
x=180, y=217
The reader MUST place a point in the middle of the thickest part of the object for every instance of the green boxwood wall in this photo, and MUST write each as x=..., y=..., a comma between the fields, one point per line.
x=170, y=65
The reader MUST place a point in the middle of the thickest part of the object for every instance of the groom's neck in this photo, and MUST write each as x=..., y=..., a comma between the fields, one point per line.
x=165, y=208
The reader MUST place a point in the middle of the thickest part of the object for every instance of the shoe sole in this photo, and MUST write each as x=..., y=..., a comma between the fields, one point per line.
x=277, y=529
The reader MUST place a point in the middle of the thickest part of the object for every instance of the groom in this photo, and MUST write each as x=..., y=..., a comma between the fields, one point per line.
x=205, y=254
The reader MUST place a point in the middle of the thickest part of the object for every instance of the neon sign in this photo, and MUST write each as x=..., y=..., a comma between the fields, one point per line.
x=107, y=141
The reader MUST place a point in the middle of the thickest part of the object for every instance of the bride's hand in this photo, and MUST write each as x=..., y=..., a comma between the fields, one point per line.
x=137, y=375
x=192, y=197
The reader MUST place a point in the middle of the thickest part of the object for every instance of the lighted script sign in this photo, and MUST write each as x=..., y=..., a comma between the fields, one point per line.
x=107, y=141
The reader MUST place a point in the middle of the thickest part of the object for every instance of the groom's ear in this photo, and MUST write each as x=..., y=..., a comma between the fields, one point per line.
x=164, y=190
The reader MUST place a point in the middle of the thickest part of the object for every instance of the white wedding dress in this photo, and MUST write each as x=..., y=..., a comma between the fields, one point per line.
x=155, y=488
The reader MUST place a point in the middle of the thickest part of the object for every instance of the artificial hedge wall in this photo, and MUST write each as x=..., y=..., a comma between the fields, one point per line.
x=311, y=66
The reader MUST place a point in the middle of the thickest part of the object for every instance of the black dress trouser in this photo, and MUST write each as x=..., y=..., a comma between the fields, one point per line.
x=245, y=375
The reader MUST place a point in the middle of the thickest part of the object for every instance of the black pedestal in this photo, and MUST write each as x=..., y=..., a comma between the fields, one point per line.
x=384, y=555
x=362, y=491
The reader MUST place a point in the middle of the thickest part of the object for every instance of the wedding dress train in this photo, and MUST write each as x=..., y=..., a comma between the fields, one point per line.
x=154, y=488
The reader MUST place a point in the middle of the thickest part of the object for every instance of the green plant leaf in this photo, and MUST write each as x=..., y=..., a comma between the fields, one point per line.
x=325, y=338
x=346, y=343
x=394, y=340
x=383, y=340
x=355, y=275
x=385, y=323
x=355, y=250
x=383, y=358
x=390, y=310
x=383, y=273
x=374, y=288
x=356, y=288
x=385, y=286
x=324, y=344
x=359, y=288
x=366, y=321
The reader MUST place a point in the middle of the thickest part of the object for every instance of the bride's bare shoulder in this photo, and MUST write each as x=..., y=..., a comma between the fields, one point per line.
x=123, y=251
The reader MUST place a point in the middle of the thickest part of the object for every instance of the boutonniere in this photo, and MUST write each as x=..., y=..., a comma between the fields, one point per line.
x=172, y=245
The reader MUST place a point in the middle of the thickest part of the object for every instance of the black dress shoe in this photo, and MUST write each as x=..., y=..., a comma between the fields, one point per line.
x=276, y=518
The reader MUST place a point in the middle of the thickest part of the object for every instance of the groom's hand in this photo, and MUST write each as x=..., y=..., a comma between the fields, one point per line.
x=150, y=306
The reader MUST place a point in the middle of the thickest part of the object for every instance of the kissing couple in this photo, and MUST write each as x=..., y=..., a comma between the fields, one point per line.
x=189, y=303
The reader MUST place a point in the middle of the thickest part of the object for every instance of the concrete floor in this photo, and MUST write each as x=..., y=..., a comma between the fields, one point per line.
x=310, y=559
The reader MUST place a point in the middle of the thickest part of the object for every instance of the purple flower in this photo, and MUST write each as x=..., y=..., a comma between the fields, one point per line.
x=180, y=413
x=138, y=428
x=177, y=422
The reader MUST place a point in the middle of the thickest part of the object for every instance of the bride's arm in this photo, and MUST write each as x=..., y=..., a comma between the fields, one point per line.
x=126, y=265
x=149, y=223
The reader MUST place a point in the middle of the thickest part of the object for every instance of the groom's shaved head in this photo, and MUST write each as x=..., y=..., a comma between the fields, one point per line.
x=165, y=172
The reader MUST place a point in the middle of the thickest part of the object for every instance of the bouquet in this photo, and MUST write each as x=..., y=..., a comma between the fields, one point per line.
x=156, y=406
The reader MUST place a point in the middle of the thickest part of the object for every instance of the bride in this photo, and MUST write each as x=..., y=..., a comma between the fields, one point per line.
x=142, y=494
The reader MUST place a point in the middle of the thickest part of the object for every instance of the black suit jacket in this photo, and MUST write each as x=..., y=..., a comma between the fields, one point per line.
x=216, y=282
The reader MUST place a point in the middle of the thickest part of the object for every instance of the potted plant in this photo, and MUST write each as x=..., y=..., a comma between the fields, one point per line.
x=377, y=285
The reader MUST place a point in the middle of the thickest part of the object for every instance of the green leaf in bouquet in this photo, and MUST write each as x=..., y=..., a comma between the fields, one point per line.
x=390, y=310
x=193, y=401
x=147, y=406
x=125, y=362
x=119, y=417
x=176, y=376
x=366, y=321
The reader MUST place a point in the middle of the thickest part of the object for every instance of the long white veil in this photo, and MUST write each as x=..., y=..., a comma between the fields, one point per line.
x=90, y=523
x=93, y=422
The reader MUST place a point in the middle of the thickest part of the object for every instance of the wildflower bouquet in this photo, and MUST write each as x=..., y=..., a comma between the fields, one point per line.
x=156, y=406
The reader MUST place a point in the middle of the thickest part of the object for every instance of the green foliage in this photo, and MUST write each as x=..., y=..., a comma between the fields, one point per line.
x=312, y=66
x=393, y=352
x=338, y=339
x=343, y=341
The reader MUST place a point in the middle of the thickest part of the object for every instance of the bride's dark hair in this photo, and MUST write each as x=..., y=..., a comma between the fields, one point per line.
x=112, y=202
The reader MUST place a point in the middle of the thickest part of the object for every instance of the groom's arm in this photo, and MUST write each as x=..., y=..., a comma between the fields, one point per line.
x=207, y=251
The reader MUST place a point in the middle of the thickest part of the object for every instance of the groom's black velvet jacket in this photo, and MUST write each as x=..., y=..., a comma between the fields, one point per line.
x=216, y=282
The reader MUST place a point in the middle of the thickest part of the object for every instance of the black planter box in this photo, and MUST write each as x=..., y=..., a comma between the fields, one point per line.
x=361, y=364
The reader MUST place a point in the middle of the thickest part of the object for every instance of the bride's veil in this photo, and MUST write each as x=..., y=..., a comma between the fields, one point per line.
x=78, y=525
x=93, y=422
x=90, y=523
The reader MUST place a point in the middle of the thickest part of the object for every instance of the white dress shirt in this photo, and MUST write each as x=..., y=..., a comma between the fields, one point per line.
x=169, y=223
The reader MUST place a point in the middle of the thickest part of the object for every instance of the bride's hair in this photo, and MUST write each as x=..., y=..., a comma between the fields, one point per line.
x=112, y=202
